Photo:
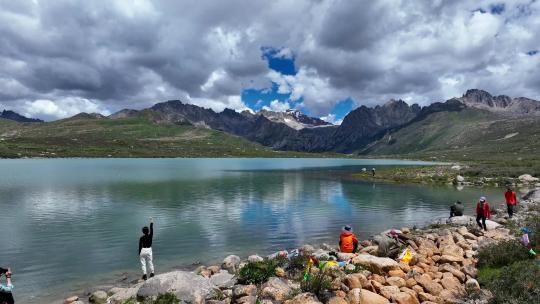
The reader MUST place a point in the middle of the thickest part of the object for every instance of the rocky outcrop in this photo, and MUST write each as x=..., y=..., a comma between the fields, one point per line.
x=187, y=286
x=442, y=270
x=6, y=114
x=502, y=103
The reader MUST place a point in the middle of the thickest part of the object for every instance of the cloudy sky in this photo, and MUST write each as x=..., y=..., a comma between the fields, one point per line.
x=324, y=57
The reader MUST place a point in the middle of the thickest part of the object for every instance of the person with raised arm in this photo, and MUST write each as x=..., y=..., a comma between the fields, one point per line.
x=145, y=250
x=6, y=297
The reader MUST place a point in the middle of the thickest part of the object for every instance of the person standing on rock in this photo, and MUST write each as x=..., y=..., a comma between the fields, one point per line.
x=348, y=242
x=145, y=250
x=456, y=209
x=482, y=213
x=372, y=171
x=6, y=297
x=511, y=200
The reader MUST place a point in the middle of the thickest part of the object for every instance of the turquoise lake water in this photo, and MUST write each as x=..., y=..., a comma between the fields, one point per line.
x=68, y=224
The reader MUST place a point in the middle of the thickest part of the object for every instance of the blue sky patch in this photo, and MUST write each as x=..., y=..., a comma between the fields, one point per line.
x=497, y=9
x=280, y=60
x=342, y=108
x=256, y=99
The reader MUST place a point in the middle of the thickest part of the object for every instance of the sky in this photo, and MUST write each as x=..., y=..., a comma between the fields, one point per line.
x=322, y=57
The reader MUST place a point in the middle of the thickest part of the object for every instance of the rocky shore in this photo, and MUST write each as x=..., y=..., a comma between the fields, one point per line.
x=443, y=270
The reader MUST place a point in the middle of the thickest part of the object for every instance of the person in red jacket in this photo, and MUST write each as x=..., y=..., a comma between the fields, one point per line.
x=347, y=240
x=511, y=201
x=482, y=213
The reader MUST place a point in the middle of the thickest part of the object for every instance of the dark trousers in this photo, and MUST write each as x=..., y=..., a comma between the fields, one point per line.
x=510, y=210
x=6, y=298
x=483, y=223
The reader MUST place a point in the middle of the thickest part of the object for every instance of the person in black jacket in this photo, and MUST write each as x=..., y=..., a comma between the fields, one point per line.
x=145, y=250
x=6, y=297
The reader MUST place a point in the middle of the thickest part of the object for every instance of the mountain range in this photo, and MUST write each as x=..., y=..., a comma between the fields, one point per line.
x=475, y=119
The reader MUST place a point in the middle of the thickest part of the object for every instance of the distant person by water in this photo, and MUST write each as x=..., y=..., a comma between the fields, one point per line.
x=145, y=250
x=456, y=209
x=511, y=200
x=6, y=297
x=372, y=171
x=482, y=213
x=347, y=240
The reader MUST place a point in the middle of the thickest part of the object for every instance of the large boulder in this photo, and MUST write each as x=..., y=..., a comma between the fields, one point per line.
x=187, y=286
x=375, y=264
x=231, y=263
x=490, y=225
x=463, y=220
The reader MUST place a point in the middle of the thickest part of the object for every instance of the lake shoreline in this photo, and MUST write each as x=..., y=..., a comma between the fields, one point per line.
x=431, y=233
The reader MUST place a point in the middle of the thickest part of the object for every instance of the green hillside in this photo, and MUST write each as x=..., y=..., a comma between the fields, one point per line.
x=86, y=136
x=499, y=145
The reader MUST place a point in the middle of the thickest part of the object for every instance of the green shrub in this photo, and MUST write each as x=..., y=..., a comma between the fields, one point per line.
x=501, y=254
x=317, y=284
x=258, y=272
x=517, y=283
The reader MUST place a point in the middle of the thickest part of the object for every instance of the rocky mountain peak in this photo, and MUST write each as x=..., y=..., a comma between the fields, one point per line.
x=502, y=104
x=11, y=115
x=294, y=119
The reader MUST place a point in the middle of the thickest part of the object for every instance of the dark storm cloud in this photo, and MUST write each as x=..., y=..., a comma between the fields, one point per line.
x=59, y=57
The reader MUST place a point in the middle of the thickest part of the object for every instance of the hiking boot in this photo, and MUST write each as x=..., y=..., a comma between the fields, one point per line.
x=144, y=277
x=152, y=275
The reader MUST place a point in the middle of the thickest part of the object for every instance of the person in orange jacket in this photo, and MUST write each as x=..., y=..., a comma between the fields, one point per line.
x=483, y=212
x=511, y=200
x=347, y=240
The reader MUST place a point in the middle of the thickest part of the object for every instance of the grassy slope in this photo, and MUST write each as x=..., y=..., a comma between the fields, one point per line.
x=471, y=136
x=126, y=137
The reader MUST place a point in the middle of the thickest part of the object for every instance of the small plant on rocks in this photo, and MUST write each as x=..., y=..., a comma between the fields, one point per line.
x=258, y=272
x=317, y=283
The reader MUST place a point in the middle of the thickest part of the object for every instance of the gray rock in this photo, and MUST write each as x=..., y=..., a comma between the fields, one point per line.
x=490, y=225
x=307, y=249
x=276, y=289
x=247, y=300
x=533, y=195
x=98, y=297
x=187, y=286
x=463, y=220
x=321, y=254
x=123, y=294
x=244, y=290
x=255, y=258
x=223, y=279
x=231, y=263
x=472, y=285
